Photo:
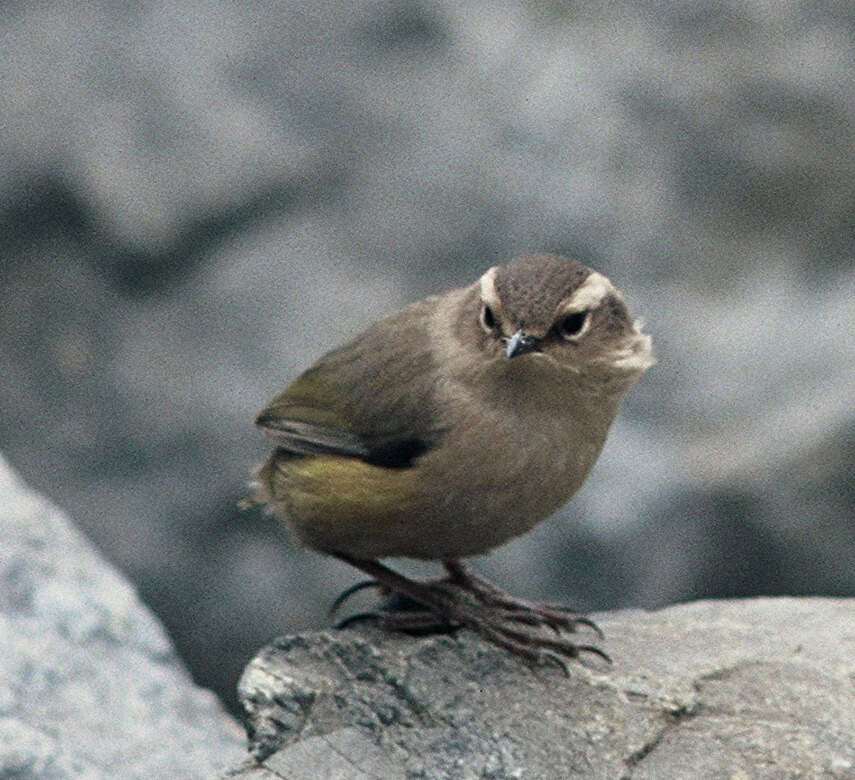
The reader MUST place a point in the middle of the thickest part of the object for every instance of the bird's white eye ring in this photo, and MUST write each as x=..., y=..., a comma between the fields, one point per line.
x=487, y=319
x=573, y=325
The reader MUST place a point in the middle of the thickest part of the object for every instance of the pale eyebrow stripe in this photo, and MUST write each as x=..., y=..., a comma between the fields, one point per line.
x=488, y=287
x=589, y=294
x=490, y=296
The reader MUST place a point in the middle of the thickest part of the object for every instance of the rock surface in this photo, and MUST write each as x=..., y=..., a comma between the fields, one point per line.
x=761, y=688
x=89, y=683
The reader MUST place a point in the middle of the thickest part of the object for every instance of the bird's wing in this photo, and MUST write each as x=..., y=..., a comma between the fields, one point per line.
x=371, y=399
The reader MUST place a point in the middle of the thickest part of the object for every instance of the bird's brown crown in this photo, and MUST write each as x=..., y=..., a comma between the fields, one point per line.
x=531, y=287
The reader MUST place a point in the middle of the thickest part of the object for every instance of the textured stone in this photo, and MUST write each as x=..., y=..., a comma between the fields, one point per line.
x=761, y=688
x=89, y=683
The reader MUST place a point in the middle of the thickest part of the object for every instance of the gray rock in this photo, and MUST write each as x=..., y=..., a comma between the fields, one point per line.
x=758, y=688
x=89, y=683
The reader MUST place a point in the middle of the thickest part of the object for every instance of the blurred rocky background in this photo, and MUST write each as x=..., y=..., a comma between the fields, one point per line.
x=197, y=199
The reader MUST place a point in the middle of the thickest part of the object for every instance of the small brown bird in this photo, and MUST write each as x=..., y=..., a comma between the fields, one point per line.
x=451, y=426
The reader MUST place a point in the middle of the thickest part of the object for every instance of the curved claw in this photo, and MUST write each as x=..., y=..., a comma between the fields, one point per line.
x=595, y=651
x=549, y=657
x=583, y=621
x=351, y=619
x=347, y=593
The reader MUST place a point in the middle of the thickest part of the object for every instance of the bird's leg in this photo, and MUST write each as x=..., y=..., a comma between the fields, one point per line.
x=417, y=607
x=437, y=602
x=555, y=616
x=446, y=607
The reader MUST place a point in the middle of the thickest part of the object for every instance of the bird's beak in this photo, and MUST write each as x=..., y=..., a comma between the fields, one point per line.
x=519, y=344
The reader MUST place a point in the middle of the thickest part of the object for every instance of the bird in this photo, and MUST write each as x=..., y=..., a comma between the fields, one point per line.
x=450, y=427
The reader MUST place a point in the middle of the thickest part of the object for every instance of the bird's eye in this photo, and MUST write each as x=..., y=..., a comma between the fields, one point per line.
x=573, y=324
x=488, y=319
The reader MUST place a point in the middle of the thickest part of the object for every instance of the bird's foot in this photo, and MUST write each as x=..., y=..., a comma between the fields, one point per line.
x=556, y=616
x=450, y=604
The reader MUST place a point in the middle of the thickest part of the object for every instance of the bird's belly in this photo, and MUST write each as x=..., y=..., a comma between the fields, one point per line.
x=437, y=509
x=494, y=496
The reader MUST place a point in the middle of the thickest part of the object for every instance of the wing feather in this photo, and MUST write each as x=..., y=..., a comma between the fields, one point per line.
x=371, y=399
